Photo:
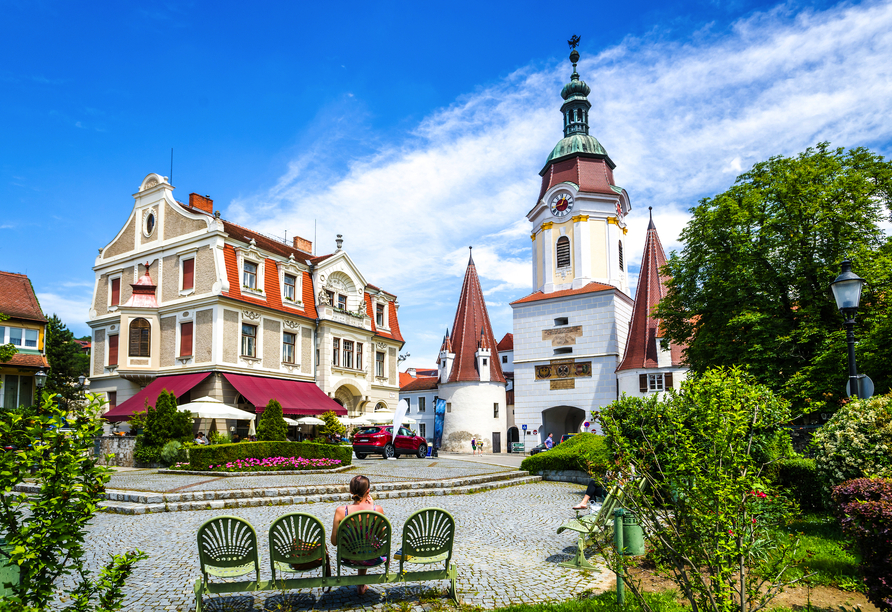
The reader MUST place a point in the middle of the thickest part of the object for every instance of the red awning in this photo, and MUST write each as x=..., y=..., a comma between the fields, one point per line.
x=179, y=384
x=303, y=398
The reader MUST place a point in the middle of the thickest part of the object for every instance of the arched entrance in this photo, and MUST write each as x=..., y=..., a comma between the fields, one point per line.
x=513, y=436
x=560, y=420
x=350, y=398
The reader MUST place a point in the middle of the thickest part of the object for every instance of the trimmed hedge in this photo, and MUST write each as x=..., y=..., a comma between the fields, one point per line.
x=574, y=454
x=200, y=457
x=798, y=479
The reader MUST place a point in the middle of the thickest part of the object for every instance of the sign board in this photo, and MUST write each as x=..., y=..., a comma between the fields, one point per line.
x=535, y=432
x=518, y=447
x=865, y=387
x=567, y=383
x=586, y=424
x=524, y=427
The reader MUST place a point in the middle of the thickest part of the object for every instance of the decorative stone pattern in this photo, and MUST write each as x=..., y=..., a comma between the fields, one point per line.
x=125, y=243
x=177, y=224
x=120, y=447
x=230, y=336
x=168, y=341
x=170, y=279
x=98, y=352
x=391, y=355
x=204, y=338
x=205, y=270
x=272, y=343
x=306, y=348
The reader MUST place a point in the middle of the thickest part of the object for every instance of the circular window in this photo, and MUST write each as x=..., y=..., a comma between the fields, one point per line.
x=150, y=223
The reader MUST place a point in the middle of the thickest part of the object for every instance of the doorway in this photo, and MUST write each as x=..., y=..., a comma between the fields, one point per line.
x=496, y=442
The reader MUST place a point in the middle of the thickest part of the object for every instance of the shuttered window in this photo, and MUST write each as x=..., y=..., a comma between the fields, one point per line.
x=188, y=273
x=642, y=383
x=140, y=337
x=115, y=291
x=563, y=252
x=113, y=350
x=186, y=338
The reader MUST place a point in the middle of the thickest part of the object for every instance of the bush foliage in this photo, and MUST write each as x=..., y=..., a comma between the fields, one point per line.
x=798, y=479
x=586, y=452
x=271, y=426
x=202, y=457
x=864, y=507
x=162, y=423
x=333, y=428
x=856, y=442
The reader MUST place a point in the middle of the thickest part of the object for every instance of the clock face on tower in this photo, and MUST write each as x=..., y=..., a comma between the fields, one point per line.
x=561, y=204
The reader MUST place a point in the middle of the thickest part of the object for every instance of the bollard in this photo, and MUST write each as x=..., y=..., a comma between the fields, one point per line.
x=618, y=537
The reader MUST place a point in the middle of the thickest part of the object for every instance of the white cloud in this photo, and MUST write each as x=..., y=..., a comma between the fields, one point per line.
x=72, y=309
x=681, y=119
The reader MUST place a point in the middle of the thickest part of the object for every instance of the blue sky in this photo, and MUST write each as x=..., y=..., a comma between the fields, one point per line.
x=414, y=129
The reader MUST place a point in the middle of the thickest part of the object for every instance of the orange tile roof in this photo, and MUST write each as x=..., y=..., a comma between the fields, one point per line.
x=422, y=383
x=394, y=333
x=23, y=360
x=17, y=298
x=592, y=287
x=271, y=286
x=506, y=343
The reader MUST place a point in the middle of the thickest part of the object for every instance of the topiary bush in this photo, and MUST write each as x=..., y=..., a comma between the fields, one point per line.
x=171, y=452
x=202, y=457
x=798, y=480
x=864, y=507
x=333, y=428
x=272, y=426
x=586, y=452
x=165, y=423
x=856, y=442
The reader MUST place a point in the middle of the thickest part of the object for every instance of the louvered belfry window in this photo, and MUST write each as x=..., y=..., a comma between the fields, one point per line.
x=563, y=252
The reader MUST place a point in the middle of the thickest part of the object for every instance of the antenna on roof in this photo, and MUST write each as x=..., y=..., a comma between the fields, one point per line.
x=314, y=236
x=171, y=165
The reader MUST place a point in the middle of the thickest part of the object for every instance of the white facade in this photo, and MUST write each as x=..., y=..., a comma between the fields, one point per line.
x=655, y=380
x=474, y=410
x=421, y=409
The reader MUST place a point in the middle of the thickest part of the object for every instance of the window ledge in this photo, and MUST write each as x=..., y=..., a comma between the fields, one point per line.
x=184, y=359
x=111, y=368
x=253, y=291
x=251, y=361
x=113, y=308
x=344, y=370
x=292, y=303
x=187, y=291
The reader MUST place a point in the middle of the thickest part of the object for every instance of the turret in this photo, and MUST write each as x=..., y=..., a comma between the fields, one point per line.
x=483, y=355
x=446, y=358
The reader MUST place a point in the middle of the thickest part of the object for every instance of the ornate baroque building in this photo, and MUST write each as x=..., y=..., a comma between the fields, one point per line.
x=190, y=302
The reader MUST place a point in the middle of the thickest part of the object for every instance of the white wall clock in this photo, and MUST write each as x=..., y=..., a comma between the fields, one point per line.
x=561, y=204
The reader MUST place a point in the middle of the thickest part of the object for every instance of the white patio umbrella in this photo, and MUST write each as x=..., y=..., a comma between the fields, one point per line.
x=353, y=421
x=210, y=408
x=291, y=421
x=310, y=421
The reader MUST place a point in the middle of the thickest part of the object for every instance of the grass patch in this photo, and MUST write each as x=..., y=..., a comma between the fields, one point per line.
x=823, y=551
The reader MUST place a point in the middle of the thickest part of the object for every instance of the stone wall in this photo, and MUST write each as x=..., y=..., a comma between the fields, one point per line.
x=306, y=348
x=127, y=278
x=205, y=270
x=391, y=354
x=100, y=300
x=120, y=446
x=272, y=344
x=204, y=335
x=170, y=280
x=566, y=476
x=126, y=242
x=168, y=341
x=98, y=352
x=230, y=336
x=177, y=224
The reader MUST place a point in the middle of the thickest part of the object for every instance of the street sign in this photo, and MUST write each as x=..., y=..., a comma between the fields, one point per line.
x=535, y=432
x=865, y=387
x=518, y=447
x=524, y=427
x=586, y=424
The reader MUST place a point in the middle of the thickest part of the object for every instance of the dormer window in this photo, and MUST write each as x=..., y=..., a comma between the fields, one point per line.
x=379, y=314
x=563, y=252
x=249, y=278
x=291, y=287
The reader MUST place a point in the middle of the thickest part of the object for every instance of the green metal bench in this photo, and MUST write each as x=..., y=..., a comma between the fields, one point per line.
x=590, y=525
x=227, y=547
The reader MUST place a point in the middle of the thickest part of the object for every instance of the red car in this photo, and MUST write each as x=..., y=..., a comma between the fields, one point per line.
x=378, y=440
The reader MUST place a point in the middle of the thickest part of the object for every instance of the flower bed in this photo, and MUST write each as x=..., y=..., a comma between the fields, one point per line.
x=268, y=464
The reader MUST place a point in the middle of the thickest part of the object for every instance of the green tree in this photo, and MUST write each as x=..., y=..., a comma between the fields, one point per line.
x=706, y=508
x=6, y=350
x=751, y=285
x=67, y=362
x=164, y=423
x=333, y=427
x=47, y=529
x=272, y=426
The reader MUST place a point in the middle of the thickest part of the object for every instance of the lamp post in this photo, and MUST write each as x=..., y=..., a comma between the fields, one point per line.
x=40, y=380
x=847, y=293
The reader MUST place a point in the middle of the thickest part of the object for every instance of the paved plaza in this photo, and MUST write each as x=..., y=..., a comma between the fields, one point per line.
x=506, y=548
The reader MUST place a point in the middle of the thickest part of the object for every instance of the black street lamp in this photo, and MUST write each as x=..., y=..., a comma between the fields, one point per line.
x=847, y=293
x=40, y=379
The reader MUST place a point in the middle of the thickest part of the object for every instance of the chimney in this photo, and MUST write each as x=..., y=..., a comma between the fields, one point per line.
x=339, y=241
x=411, y=372
x=302, y=244
x=204, y=203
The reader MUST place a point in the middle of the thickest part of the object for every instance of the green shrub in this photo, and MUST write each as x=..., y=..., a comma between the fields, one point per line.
x=144, y=454
x=333, y=427
x=272, y=426
x=855, y=443
x=202, y=457
x=165, y=423
x=172, y=452
x=798, y=480
x=586, y=452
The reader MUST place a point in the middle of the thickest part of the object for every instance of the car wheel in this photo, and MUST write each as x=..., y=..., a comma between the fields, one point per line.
x=361, y=455
x=422, y=451
x=389, y=451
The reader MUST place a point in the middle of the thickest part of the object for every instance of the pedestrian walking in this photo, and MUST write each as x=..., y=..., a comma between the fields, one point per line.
x=473, y=446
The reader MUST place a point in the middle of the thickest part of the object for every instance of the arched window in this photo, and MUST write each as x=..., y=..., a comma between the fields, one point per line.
x=140, y=338
x=563, y=252
x=621, y=255
x=380, y=406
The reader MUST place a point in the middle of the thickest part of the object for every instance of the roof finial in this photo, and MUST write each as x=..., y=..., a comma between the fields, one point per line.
x=471, y=255
x=651, y=225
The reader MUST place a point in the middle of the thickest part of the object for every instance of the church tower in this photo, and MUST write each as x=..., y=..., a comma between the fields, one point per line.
x=569, y=334
x=471, y=381
x=579, y=218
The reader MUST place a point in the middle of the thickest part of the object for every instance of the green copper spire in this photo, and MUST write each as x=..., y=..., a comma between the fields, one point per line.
x=574, y=93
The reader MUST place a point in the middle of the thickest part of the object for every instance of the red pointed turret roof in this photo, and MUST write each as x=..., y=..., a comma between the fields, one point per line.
x=506, y=343
x=641, y=345
x=143, y=292
x=471, y=320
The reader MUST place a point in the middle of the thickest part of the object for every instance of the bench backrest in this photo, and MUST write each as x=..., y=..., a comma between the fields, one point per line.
x=364, y=536
x=296, y=539
x=428, y=533
x=227, y=547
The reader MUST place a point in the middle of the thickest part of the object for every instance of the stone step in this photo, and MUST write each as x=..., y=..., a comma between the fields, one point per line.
x=143, y=497
x=129, y=507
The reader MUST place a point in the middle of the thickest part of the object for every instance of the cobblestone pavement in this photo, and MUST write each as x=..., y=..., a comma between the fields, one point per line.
x=506, y=550
x=401, y=470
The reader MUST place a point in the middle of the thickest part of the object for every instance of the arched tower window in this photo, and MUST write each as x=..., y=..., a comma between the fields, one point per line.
x=140, y=338
x=563, y=252
x=621, y=255
x=380, y=406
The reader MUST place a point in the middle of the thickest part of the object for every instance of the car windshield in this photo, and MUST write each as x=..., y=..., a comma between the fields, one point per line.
x=368, y=430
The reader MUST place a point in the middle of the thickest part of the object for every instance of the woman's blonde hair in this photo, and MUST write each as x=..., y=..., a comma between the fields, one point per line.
x=359, y=488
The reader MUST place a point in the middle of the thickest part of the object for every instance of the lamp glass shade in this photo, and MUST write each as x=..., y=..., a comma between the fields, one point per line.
x=81, y=380
x=847, y=288
x=40, y=379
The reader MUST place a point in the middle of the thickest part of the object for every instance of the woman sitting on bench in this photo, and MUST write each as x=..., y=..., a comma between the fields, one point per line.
x=594, y=489
x=362, y=500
